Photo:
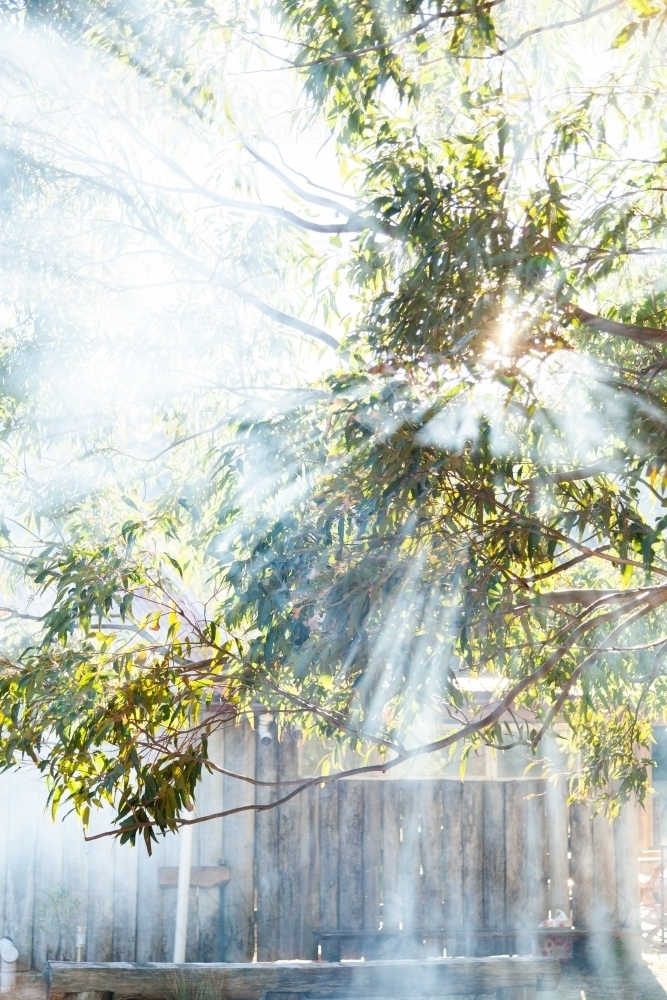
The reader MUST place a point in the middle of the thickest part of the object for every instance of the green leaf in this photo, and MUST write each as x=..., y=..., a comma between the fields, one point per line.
x=175, y=563
x=625, y=34
x=644, y=8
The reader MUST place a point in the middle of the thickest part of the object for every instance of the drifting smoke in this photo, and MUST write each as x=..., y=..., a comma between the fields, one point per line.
x=157, y=291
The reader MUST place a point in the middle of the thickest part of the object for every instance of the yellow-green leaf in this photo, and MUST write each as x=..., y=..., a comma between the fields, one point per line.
x=624, y=35
x=644, y=8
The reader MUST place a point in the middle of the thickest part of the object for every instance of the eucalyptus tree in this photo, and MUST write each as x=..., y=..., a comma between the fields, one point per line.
x=471, y=494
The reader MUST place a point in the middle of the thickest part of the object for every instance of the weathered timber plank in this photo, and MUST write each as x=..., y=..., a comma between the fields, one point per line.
x=430, y=798
x=391, y=855
x=494, y=860
x=646, y=827
x=329, y=853
x=75, y=876
x=350, y=863
x=372, y=854
x=452, y=794
x=267, y=858
x=192, y=936
x=47, y=935
x=604, y=873
x=28, y=794
x=516, y=993
x=472, y=830
x=5, y=811
x=626, y=845
x=515, y=858
x=537, y=896
x=581, y=865
x=290, y=898
x=170, y=857
x=238, y=841
x=125, y=884
x=557, y=842
x=526, y=859
x=150, y=903
x=310, y=870
x=209, y=835
x=411, y=882
x=322, y=981
x=100, y=890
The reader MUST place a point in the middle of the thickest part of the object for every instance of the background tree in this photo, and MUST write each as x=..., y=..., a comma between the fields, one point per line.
x=474, y=489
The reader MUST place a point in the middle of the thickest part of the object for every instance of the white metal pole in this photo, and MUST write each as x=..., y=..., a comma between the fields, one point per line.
x=183, y=893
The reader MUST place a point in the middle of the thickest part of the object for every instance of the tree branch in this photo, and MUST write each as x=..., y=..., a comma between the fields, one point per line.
x=559, y=24
x=577, y=672
x=315, y=199
x=555, y=478
x=598, y=553
x=587, y=598
x=640, y=334
x=561, y=567
x=468, y=730
x=272, y=313
x=397, y=39
x=355, y=222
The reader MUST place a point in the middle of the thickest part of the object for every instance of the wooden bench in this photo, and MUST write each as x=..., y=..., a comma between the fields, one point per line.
x=507, y=978
x=420, y=943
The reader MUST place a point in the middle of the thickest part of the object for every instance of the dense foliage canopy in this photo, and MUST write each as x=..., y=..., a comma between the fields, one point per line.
x=465, y=493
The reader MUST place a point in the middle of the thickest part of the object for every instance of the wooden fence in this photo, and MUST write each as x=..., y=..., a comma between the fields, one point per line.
x=437, y=857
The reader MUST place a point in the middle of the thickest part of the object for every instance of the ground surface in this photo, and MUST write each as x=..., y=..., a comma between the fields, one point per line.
x=645, y=982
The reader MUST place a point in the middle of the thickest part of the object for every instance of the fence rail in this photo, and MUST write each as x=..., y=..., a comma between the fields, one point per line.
x=476, y=865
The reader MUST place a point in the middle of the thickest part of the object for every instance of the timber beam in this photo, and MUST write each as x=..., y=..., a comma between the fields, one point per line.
x=508, y=978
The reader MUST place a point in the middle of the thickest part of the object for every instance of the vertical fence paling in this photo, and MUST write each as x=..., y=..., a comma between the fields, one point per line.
x=558, y=846
x=168, y=857
x=516, y=828
x=432, y=857
x=350, y=862
x=472, y=839
x=537, y=860
x=209, y=842
x=5, y=813
x=372, y=854
x=494, y=864
x=410, y=888
x=149, y=906
x=238, y=846
x=48, y=878
x=310, y=853
x=604, y=873
x=581, y=865
x=626, y=844
x=391, y=856
x=452, y=850
x=267, y=880
x=291, y=883
x=455, y=861
x=100, y=892
x=124, y=905
x=329, y=852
